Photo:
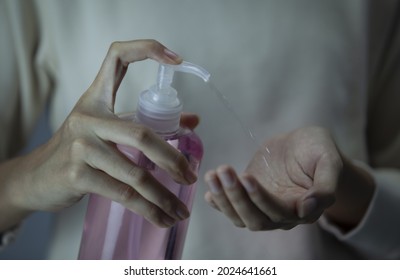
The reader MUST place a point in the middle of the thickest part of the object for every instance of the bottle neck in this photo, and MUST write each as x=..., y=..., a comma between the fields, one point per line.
x=162, y=126
x=160, y=110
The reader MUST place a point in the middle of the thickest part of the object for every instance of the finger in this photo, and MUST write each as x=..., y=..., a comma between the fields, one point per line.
x=249, y=212
x=209, y=199
x=279, y=212
x=110, y=161
x=321, y=194
x=102, y=184
x=145, y=140
x=190, y=121
x=220, y=200
x=119, y=56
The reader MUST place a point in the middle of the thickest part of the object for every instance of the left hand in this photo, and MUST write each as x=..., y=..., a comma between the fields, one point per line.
x=297, y=185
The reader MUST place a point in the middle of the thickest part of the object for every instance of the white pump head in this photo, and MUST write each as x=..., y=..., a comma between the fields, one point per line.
x=159, y=106
x=166, y=73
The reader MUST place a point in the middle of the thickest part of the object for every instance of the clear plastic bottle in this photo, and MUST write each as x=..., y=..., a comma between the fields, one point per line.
x=113, y=232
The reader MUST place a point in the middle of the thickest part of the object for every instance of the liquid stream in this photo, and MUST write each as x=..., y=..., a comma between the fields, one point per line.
x=250, y=134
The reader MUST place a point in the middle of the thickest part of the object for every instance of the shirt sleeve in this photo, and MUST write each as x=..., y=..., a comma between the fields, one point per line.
x=378, y=234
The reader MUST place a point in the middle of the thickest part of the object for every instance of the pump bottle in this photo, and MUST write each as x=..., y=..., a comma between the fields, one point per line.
x=114, y=232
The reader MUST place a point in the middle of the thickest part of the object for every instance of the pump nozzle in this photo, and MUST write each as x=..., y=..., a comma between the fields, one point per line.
x=159, y=106
x=166, y=73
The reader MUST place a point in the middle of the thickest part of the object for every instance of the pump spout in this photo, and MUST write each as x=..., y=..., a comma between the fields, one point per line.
x=166, y=73
x=191, y=68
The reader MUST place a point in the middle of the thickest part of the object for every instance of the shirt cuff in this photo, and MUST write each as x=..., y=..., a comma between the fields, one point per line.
x=377, y=235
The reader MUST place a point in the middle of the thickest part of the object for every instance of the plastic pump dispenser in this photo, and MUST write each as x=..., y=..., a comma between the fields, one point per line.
x=113, y=232
x=159, y=107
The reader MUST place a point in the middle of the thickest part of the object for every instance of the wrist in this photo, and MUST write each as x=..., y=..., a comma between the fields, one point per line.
x=11, y=193
x=353, y=196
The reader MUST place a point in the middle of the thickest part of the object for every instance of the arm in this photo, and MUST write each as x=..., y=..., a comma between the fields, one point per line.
x=307, y=177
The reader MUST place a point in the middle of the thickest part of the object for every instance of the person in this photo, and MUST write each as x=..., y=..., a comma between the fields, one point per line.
x=317, y=79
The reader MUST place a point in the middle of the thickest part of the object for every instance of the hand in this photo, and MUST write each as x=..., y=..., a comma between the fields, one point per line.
x=82, y=156
x=297, y=185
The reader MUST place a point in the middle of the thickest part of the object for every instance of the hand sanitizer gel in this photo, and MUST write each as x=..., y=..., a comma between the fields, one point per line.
x=114, y=232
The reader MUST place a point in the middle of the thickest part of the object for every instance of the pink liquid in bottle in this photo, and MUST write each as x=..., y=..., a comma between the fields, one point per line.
x=114, y=232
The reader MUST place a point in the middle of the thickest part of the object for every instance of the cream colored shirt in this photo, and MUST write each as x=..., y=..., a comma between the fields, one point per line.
x=281, y=64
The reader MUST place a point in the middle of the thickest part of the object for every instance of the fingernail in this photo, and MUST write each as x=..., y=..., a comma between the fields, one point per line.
x=171, y=54
x=227, y=180
x=183, y=213
x=309, y=206
x=190, y=176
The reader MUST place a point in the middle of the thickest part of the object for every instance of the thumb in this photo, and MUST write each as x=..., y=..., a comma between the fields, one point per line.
x=322, y=194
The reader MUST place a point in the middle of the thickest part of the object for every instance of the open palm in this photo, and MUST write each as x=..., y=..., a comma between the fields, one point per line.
x=289, y=181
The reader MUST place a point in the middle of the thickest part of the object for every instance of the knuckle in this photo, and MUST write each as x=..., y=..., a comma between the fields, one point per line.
x=142, y=134
x=114, y=49
x=138, y=175
x=75, y=174
x=73, y=122
x=77, y=123
x=153, y=44
x=127, y=195
x=78, y=148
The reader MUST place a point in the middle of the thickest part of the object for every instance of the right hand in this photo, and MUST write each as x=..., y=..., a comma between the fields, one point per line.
x=82, y=157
